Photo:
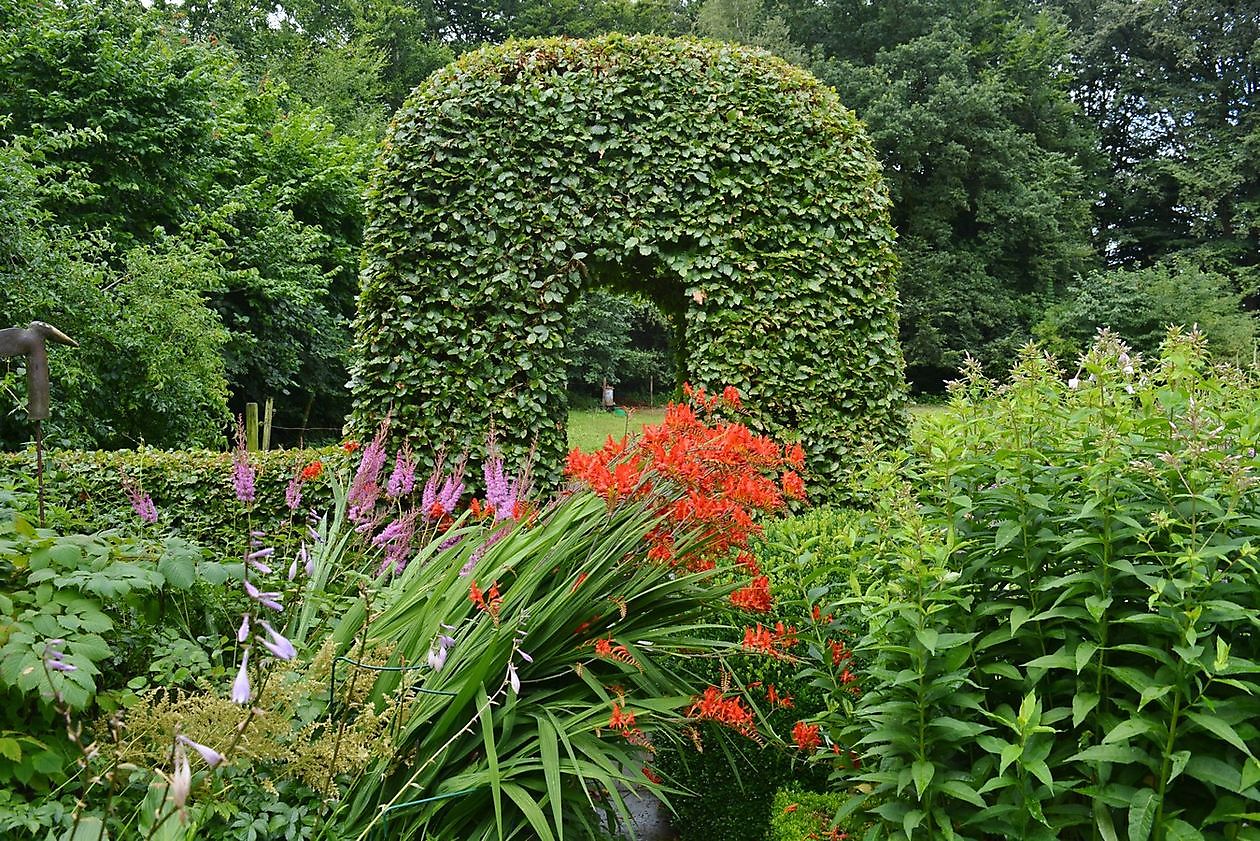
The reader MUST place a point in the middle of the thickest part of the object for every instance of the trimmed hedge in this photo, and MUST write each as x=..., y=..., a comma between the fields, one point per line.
x=729, y=186
x=192, y=489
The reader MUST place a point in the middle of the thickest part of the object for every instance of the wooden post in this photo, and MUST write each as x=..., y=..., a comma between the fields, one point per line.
x=268, y=411
x=251, y=427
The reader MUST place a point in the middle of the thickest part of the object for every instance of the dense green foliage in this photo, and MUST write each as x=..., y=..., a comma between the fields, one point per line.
x=192, y=489
x=149, y=366
x=797, y=815
x=761, y=225
x=1170, y=88
x=621, y=340
x=1061, y=607
x=1139, y=304
x=138, y=154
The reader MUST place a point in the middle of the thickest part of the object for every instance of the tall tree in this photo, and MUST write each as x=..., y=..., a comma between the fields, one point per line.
x=985, y=156
x=1173, y=89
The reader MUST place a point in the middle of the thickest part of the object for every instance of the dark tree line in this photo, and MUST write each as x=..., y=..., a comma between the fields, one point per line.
x=181, y=184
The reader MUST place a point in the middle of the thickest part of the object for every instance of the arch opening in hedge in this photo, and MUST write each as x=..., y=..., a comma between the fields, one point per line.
x=729, y=186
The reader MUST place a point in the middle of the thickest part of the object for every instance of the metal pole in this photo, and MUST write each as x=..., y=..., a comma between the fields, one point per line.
x=39, y=466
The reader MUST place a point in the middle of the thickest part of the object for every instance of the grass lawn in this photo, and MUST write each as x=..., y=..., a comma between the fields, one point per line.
x=589, y=427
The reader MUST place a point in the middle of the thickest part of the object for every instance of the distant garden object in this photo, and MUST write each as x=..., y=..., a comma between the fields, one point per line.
x=730, y=187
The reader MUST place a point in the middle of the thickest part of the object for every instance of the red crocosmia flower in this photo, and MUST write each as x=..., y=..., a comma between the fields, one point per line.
x=351, y=446
x=651, y=775
x=312, y=471
x=730, y=396
x=754, y=597
x=793, y=485
x=791, y=807
x=839, y=653
x=622, y=720
x=794, y=455
x=806, y=736
x=489, y=601
x=604, y=647
x=714, y=706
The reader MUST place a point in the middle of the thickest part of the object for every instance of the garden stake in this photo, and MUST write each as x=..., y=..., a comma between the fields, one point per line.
x=30, y=342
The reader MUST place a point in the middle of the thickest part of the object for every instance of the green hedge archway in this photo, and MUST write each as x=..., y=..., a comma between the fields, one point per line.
x=730, y=186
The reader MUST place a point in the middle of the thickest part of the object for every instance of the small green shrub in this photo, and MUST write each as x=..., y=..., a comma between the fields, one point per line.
x=1062, y=620
x=797, y=815
x=192, y=489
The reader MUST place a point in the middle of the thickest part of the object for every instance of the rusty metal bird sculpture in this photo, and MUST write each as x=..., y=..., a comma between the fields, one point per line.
x=32, y=342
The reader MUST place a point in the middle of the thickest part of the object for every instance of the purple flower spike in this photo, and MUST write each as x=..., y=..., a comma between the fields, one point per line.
x=403, y=480
x=277, y=644
x=293, y=494
x=141, y=502
x=452, y=490
x=53, y=655
x=241, y=692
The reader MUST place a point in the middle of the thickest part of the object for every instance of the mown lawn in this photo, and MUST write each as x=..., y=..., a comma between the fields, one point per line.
x=588, y=428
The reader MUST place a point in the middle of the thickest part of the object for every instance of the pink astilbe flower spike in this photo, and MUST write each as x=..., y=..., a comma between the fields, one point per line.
x=141, y=502
x=403, y=480
x=365, y=488
x=242, y=470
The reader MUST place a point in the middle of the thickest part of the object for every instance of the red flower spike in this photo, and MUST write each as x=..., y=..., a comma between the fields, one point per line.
x=806, y=736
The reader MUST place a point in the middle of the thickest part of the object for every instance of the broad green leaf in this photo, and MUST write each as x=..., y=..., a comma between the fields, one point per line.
x=1142, y=815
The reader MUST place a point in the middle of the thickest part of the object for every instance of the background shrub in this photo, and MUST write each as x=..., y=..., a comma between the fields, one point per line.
x=797, y=815
x=1062, y=622
x=192, y=489
x=729, y=187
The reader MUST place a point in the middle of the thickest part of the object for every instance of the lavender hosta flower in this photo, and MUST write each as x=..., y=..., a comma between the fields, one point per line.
x=255, y=559
x=241, y=692
x=53, y=657
x=293, y=494
x=308, y=560
x=181, y=778
x=242, y=633
x=437, y=658
x=514, y=679
x=209, y=755
x=276, y=643
x=265, y=598
x=293, y=568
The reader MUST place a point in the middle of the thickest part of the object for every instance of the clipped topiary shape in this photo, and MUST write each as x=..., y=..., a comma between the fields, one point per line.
x=729, y=186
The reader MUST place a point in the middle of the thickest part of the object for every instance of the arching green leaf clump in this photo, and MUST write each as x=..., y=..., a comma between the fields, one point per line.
x=731, y=187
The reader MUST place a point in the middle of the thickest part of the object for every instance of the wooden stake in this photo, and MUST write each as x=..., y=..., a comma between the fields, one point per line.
x=267, y=414
x=251, y=427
